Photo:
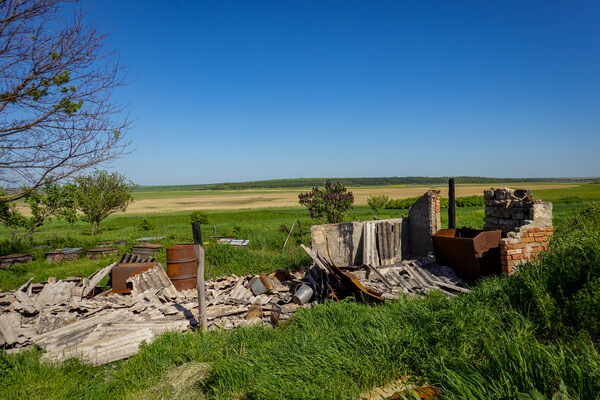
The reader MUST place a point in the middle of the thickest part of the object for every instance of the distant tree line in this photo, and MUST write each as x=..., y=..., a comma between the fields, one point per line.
x=302, y=183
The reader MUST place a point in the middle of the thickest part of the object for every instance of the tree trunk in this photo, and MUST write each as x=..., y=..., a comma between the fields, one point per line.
x=94, y=228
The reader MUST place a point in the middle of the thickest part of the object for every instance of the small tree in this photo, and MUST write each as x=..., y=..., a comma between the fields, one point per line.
x=52, y=201
x=199, y=216
x=328, y=204
x=100, y=194
x=377, y=202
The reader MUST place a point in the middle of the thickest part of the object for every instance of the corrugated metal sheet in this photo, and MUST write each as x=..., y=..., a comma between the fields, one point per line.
x=54, y=293
x=154, y=278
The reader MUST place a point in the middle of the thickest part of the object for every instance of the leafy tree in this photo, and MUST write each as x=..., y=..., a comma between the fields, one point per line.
x=100, y=194
x=57, y=116
x=377, y=202
x=52, y=201
x=328, y=204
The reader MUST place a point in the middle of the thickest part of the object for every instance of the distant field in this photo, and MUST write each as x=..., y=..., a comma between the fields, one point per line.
x=164, y=201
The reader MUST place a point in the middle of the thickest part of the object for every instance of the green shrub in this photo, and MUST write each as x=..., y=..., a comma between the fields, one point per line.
x=377, y=202
x=470, y=201
x=199, y=216
x=465, y=201
x=401, y=204
x=146, y=224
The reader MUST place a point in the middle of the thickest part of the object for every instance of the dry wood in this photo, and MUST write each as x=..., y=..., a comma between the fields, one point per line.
x=200, y=285
x=288, y=236
x=314, y=257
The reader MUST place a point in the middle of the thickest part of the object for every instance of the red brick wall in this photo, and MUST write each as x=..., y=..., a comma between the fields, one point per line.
x=524, y=247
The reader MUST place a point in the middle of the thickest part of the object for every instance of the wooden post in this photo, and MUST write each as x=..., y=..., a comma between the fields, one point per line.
x=451, y=205
x=288, y=236
x=199, y=249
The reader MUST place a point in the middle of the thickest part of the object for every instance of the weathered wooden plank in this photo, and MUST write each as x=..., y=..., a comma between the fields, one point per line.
x=314, y=257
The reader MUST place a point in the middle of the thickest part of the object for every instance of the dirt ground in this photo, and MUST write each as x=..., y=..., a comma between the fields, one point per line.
x=233, y=200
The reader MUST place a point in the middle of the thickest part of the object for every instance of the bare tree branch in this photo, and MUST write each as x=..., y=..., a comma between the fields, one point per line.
x=57, y=116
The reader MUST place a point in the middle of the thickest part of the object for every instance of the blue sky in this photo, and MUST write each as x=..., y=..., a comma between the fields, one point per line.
x=234, y=90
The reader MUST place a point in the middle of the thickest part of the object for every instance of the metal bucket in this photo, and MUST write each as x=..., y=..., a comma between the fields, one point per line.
x=303, y=294
x=181, y=266
x=261, y=285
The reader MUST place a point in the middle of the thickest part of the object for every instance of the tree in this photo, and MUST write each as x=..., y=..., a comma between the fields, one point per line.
x=328, y=204
x=100, y=194
x=377, y=202
x=52, y=201
x=57, y=116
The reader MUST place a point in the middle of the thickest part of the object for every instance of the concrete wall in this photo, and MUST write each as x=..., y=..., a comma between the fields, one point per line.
x=344, y=241
x=424, y=221
x=380, y=242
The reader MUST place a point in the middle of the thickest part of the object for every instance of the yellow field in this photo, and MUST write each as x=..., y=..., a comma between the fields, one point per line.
x=255, y=198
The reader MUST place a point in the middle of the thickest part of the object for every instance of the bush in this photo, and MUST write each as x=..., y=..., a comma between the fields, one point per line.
x=401, y=204
x=146, y=225
x=328, y=204
x=199, y=216
x=465, y=201
x=377, y=202
x=469, y=201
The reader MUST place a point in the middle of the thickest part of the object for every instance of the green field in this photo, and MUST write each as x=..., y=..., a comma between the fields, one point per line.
x=261, y=226
x=538, y=329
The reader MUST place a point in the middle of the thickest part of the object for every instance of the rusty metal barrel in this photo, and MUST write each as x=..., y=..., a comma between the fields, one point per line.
x=181, y=266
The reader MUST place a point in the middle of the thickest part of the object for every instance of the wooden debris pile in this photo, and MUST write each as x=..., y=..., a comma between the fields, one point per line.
x=66, y=321
x=73, y=317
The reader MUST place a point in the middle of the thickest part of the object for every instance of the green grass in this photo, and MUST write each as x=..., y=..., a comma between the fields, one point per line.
x=261, y=227
x=535, y=329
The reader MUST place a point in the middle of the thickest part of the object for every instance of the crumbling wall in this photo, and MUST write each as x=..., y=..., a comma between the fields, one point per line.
x=424, y=221
x=344, y=241
x=525, y=223
x=381, y=242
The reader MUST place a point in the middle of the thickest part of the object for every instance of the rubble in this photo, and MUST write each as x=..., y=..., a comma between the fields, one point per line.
x=67, y=318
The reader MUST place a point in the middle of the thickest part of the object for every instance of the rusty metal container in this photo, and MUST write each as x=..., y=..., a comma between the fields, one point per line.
x=122, y=271
x=181, y=266
x=471, y=253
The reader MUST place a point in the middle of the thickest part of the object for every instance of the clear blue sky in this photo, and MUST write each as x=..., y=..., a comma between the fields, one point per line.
x=235, y=90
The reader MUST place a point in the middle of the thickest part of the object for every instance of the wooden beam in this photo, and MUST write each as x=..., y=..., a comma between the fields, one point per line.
x=199, y=249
